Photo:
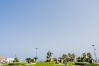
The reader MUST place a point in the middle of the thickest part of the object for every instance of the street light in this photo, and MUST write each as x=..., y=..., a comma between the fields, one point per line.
x=15, y=56
x=94, y=52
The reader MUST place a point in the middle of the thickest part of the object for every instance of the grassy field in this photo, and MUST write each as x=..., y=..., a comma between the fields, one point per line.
x=43, y=64
x=47, y=64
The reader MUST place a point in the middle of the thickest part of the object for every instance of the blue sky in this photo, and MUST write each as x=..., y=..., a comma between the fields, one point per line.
x=61, y=26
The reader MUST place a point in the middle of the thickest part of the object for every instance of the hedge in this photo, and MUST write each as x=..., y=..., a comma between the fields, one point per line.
x=81, y=63
x=17, y=63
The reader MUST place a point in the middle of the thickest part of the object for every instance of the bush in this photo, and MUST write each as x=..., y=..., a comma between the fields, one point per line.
x=16, y=59
x=81, y=63
x=16, y=64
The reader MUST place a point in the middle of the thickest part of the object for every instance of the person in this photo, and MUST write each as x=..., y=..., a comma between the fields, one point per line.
x=65, y=62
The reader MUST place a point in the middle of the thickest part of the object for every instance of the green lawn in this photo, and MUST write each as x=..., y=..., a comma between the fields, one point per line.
x=47, y=64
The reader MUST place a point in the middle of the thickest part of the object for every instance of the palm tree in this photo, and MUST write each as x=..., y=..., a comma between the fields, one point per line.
x=55, y=60
x=60, y=59
x=79, y=59
x=69, y=56
x=84, y=57
x=49, y=56
x=28, y=60
x=35, y=58
x=32, y=60
x=89, y=59
x=64, y=57
x=72, y=57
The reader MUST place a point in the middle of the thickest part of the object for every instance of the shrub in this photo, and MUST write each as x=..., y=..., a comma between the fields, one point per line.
x=81, y=63
x=16, y=64
x=16, y=59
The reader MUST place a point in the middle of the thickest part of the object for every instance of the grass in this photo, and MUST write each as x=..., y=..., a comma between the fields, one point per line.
x=47, y=64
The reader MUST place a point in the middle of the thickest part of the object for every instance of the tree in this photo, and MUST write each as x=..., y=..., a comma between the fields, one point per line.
x=28, y=60
x=35, y=58
x=60, y=60
x=79, y=59
x=16, y=60
x=55, y=60
x=32, y=60
x=72, y=57
x=64, y=57
x=89, y=57
x=49, y=56
x=84, y=57
x=69, y=57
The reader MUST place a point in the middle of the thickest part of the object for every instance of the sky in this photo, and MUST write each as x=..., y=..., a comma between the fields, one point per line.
x=61, y=26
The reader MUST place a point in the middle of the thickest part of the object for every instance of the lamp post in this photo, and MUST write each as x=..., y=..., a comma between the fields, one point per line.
x=15, y=56
x=36, y=54
x=94, y=52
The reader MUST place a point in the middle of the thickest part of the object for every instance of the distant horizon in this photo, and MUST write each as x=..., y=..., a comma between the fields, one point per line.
x=44, y=58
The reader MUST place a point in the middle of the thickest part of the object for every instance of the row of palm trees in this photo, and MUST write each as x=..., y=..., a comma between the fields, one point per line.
x=70, y=57
x=85, y=57
x=28, y=60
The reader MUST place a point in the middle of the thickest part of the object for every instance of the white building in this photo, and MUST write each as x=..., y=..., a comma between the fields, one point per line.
x=9, y=60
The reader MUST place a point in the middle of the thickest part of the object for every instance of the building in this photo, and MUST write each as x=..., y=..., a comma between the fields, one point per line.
x=9, y=60
x=2, y=59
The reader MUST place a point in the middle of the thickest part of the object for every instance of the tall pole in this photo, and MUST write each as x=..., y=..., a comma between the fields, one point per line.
x=15, y=55
x=94, y=52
